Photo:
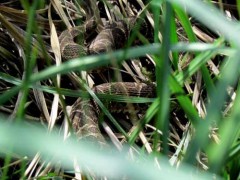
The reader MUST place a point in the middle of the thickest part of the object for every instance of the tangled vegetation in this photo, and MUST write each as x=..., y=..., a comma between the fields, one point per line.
x=170, y=109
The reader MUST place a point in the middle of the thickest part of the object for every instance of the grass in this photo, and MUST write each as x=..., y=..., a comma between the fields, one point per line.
x=191, y=128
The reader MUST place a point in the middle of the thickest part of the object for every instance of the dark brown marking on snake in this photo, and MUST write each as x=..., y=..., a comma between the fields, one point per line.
x=85, y=112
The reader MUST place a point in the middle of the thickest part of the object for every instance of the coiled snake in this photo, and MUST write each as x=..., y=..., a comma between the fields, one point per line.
x=85, y=112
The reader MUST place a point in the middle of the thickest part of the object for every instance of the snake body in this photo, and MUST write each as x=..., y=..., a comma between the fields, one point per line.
x=85, y=112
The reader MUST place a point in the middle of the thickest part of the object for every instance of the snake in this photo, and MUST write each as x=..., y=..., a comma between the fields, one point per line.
x=111, y=36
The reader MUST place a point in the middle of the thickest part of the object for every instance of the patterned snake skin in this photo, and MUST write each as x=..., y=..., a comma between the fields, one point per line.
x=85, y=112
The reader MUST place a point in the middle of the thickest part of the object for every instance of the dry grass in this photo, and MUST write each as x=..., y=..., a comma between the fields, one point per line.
x=192, y=119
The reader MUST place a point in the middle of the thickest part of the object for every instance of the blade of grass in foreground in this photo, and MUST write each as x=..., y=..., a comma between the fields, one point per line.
x=229, y=133
x=73, y=93
x=216, y=22
x=104, y=163
x=217, y=100
x=162, y=78
x=182, y=16
x=29, y=54
x=196, y=63
x=183, y=100
x=94, y=61
x=86, y=63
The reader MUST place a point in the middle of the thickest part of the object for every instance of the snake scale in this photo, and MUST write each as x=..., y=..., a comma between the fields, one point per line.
x=85, y=112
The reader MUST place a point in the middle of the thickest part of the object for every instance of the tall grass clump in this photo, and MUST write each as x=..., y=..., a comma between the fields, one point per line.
x=189, y=49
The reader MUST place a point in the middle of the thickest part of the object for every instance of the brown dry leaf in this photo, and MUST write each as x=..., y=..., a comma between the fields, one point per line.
x=57, y=53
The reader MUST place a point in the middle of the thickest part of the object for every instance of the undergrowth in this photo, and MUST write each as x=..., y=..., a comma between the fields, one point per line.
x=188, y=49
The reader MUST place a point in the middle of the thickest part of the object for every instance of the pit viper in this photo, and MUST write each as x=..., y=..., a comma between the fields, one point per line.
x=111, y=36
